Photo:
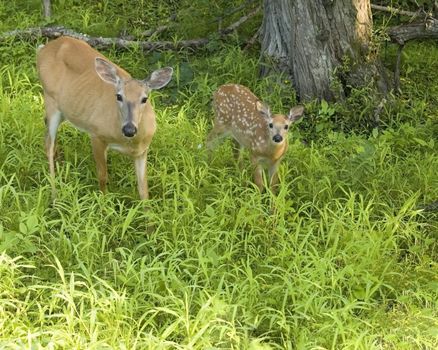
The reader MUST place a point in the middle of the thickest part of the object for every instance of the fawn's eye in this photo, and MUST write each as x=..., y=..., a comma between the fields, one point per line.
x=286, y=127
x=119, y=97
x=271, y=125
x=144, y=99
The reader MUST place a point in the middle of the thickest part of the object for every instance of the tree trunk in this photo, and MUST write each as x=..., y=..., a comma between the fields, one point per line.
x=324, y=46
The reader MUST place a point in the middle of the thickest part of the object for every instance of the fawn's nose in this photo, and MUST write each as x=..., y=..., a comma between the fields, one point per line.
x=277, y=138
x=129, y=130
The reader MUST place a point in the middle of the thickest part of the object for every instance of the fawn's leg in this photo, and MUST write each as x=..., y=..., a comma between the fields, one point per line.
x=258, y=172
x=216, y=134
x=273, y=175
x=238, y=153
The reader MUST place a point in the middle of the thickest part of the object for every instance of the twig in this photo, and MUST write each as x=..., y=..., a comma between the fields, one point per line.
x=397, y=69
x=253, y=39
x=378, y=111
x=240, y=21
x=396, y=11
x=234, y=10
x=148, y=33
x=157, y=30
x=161, y=28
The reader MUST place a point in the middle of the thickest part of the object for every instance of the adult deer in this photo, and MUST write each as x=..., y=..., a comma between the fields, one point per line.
x=240, y=114
x=82, y=86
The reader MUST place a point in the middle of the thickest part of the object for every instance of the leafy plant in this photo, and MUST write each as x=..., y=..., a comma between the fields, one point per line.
x=343, y=256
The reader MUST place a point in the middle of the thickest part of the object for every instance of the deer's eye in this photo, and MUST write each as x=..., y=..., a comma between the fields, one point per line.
x=144, y=99
x=271, y=125
x=286, y=127
x=119, y=97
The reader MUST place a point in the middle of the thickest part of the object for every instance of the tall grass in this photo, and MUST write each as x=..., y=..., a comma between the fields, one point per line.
x=343, y=256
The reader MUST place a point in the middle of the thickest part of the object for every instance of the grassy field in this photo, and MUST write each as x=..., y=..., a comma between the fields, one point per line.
x=344, y=257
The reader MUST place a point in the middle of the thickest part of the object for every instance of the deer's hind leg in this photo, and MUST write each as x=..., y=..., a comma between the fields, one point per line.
x=218, y=132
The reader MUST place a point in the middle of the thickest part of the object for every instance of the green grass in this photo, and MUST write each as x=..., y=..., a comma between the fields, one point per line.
x=344, y=257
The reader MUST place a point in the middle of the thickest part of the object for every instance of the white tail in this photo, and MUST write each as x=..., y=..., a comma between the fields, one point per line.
x=240, y=114
x=82, y=86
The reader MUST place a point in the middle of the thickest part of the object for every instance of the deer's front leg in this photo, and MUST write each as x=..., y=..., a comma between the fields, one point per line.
x=141, y=173
x=238, y=154
x=99, y=153
x=273, y=175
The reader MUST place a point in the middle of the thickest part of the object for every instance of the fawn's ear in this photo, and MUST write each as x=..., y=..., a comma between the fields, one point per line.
x=295, y=113
x=263, y=109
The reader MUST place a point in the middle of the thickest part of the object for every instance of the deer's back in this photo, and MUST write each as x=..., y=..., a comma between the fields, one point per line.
x=66, y=68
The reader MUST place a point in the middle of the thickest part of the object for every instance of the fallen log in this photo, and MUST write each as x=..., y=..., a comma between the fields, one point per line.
x=100, y=42
x=427, y=29
x=120, y=43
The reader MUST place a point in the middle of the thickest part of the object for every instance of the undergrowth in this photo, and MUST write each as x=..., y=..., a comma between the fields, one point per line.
x=344, y=256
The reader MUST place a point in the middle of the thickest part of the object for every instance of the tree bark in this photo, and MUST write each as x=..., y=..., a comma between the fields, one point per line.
x=324, y=46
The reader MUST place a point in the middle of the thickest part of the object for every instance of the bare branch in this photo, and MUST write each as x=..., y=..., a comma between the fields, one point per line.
x=397, y=70
x=240, y=21
x=378, y=111
x=148, y=33
x=157, y=30
x=253, y=39
x=161, y=28
x=234, y=10
x=397, y=11
x=427, y=29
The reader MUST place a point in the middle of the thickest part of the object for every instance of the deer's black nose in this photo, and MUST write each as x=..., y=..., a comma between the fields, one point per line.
x=277, y=138
x=129, y=130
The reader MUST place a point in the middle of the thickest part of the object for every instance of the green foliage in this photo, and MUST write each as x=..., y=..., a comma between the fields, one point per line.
x=202, y=17
x=343, y=256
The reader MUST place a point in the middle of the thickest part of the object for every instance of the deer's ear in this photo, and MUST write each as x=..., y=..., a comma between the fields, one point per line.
x=106, y=71
x=296, y=113
x=263, y=109
x=159, y=78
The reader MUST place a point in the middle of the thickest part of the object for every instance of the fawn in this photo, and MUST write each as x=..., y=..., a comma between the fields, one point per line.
x=240, y=114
